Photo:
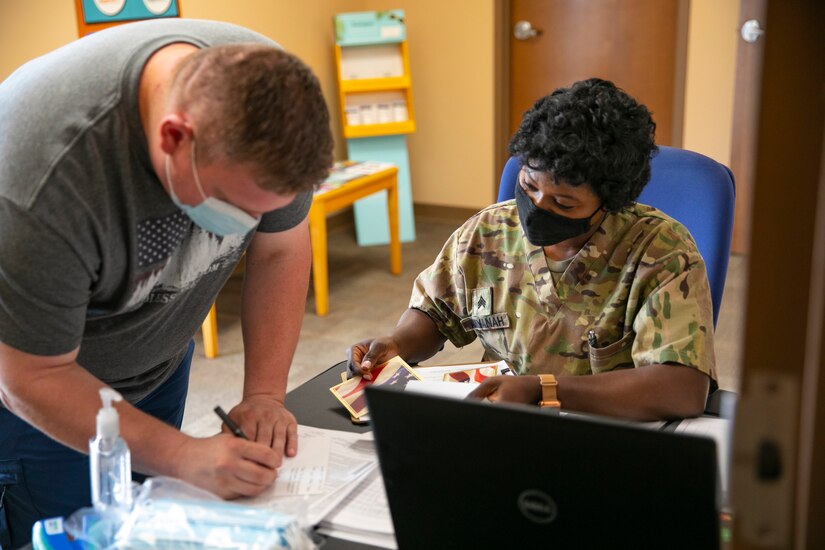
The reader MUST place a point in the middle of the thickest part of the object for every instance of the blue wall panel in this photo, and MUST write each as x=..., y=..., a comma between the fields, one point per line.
x=371, y=223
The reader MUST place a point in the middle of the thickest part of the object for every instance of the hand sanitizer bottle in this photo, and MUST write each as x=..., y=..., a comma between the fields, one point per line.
x=110, y=463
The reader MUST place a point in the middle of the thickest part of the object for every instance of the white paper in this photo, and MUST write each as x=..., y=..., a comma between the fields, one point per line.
x=456, y=390
x=379, y=61
x=652, y=425
x=391, y=32
x=436, y=373
x=349, y=467
x=373, y=539
x=350, y=458
x=364, y=516
x=365, y=509
x=305, y=473
x=718, y=429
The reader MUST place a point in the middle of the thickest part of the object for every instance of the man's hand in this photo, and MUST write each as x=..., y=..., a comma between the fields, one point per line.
x=364, y=356
x=511, y=389
x=265, y=420
x=227, y=466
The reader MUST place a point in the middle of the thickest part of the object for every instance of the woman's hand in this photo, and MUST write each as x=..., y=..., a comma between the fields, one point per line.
x=364, y=356
x=509, y=389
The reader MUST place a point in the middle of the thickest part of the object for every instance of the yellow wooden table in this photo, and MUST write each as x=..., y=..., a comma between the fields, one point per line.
x=334, y=199
x=324, y=203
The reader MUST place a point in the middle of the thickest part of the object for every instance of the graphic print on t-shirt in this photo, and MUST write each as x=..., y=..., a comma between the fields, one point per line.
x=173, y=254
x=158, y=237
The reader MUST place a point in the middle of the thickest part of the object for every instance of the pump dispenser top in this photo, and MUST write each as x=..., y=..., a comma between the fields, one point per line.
x=108, y=422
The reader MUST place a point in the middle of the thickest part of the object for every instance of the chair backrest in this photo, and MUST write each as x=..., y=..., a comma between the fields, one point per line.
x=689, y=187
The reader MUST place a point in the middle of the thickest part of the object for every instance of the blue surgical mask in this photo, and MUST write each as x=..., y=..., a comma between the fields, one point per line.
x=213, y=215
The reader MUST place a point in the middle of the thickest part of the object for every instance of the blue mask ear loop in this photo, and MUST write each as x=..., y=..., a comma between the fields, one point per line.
x=169, y=179
x=195, y=171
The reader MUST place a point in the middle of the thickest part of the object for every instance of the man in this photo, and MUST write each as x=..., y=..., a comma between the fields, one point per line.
x=600, y=304
x=138, y=163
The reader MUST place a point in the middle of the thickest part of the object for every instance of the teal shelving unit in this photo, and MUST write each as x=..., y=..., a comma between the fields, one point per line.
x=375, y=93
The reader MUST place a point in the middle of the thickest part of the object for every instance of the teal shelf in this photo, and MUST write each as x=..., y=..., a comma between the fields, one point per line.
x=370, y=27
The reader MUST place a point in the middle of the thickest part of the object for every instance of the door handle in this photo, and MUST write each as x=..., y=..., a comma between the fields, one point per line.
x=751, y=31
x=523, y=30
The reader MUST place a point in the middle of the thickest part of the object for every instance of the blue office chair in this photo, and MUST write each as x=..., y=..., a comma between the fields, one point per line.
x=689, y=187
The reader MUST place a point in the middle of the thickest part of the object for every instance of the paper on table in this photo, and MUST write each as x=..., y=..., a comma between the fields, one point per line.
x=395, y=373
x=373, y=539
x=718, y=429
x=339, y=489
x=368, y=500
x=305, y=473
x=436, y=373
x=364, y=516
x=345, y=171
x=350, y=458
x=443, y=389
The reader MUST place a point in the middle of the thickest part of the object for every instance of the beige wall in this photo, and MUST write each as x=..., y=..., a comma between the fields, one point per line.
x=711, y=68
x=451, y=154
x=451, y=61
x=451, y=56
x=30, y=29
x=302, y=27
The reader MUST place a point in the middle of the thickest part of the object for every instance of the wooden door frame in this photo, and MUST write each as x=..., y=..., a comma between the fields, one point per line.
x=501, y=84
x=744, y=123
x=784, y=313
x=501, y=88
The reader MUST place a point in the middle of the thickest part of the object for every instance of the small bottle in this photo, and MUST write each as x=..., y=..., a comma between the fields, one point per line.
x=399, y=110
x=384, y=113
x=110, y=464
x=353, y=116
x=369, y=113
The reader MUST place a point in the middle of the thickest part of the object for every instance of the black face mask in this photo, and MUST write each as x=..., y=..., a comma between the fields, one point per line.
x=545, y=228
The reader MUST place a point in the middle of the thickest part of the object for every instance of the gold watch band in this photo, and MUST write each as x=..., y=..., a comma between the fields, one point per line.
x=549, y=397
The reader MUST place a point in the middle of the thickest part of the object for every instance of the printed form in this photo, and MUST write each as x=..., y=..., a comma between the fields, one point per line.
x=305, y=473
x=301, y=491
x=718, y=429
x=363, y=517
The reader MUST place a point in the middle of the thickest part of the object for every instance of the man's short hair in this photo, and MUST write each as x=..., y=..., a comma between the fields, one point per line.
x=593, y=133
x=261, y=106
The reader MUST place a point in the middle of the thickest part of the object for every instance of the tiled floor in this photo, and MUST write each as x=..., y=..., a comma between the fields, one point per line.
x=366, y=300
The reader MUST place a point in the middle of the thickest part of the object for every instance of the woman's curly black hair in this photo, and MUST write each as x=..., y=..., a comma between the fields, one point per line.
x=591, y=132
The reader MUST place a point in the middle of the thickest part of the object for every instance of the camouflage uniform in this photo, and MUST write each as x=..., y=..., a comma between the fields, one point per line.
x=639, y=283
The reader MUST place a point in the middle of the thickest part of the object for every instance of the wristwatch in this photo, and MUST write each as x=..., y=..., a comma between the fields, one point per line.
x=548, y=391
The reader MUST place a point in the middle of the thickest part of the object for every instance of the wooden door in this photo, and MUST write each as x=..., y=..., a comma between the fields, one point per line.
x=640, y=45
x=743, y=139
x=778, y=479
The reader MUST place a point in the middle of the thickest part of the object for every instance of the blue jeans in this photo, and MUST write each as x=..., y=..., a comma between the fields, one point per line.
x=41, y=478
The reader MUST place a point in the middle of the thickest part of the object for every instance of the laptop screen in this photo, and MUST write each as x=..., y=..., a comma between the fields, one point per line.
x=474, y=475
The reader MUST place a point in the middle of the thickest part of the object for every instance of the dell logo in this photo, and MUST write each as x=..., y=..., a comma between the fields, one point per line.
x=537, y=506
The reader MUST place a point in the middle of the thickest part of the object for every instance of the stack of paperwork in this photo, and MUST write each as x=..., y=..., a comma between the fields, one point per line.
x=328, y=468
x=364, y=516
x=334, y=482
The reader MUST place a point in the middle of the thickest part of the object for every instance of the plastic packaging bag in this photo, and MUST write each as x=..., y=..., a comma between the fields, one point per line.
x=169, y=513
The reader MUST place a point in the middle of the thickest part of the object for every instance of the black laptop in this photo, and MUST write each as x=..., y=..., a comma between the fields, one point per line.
x=465, y=474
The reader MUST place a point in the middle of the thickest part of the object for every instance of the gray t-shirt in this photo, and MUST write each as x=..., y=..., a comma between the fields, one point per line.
x=93, y=252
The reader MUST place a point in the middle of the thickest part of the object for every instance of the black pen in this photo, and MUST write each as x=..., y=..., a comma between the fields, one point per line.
x=591, y=339
x=234, y=428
